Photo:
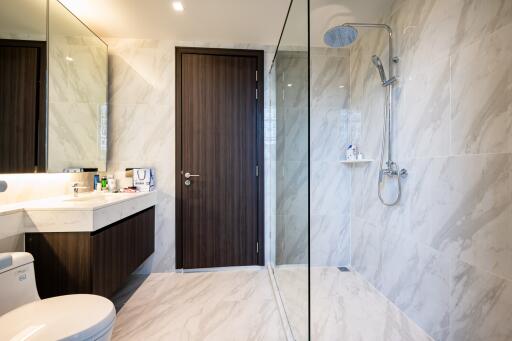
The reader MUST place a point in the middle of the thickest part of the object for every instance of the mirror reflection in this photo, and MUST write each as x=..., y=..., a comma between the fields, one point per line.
x=77, y=120
x=22, y=86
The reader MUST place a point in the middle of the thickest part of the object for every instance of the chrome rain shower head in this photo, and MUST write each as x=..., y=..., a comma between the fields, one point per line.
x=378, y=63
x=340, y=36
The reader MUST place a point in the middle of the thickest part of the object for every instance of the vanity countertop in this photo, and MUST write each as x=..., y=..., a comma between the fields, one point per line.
x=86, y=213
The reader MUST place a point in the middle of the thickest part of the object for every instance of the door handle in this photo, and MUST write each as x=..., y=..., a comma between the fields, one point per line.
x=188, y=175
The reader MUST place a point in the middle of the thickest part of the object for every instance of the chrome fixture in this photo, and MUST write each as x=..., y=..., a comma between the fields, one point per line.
x=187, y=175
x=76, y=186
x=3, y=186
x=340, y=36
x=346, y=34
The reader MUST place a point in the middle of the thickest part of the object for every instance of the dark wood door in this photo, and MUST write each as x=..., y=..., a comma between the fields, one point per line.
x=220, y=143
x=22, y=106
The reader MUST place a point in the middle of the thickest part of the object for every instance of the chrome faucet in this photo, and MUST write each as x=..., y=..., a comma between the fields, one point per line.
x=76, y=187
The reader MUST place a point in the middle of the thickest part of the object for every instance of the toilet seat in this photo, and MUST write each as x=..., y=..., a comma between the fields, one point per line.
x=69, y=317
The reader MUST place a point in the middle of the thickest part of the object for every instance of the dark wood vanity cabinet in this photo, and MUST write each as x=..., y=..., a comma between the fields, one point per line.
x=91, y=262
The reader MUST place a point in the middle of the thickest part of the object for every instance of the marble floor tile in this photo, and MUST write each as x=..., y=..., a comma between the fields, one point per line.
x=229, y=305
x=343, y=307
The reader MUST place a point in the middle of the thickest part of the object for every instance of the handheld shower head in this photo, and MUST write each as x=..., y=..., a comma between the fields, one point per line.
x=378, y=63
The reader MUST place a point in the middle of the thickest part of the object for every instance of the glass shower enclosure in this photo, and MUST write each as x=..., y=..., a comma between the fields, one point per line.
x=291, y=170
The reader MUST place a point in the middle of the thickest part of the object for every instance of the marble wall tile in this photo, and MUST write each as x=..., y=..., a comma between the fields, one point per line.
x=329, y=135
x=481, y=305
x=142, y=129
x=292, y=187
x=451, y=100
x=423, y=116
x=482, y=88
x=330, y=188
x=330, y=240
x=408, y=273
x=142, y=73
x=292, y=238
x=473, y=205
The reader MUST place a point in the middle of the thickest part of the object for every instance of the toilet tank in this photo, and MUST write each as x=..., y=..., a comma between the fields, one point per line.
x=17, y=280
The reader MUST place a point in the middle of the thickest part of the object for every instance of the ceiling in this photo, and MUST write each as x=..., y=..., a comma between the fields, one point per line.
x=221, y=21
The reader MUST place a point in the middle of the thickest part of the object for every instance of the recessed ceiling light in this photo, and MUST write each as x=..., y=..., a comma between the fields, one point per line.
x=178, y=6
x=69, y=59
x=290, y=85
x=341, y=86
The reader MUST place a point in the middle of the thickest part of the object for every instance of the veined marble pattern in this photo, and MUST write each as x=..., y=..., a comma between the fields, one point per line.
x=226, y=305
x=142, y=127
x=343, y=307
x=291, y=158
x=482, y=88
x=443, y=255
x=330, y=181
x=481, y=305
x=77, y=94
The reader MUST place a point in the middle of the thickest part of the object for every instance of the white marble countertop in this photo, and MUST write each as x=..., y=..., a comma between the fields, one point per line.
x=84, y=201
x=86, y=213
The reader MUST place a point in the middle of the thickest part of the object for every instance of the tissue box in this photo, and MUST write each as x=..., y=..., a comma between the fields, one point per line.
x=144, y=179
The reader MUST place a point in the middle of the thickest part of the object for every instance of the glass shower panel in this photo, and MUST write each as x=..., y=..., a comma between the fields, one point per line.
x=290, y=72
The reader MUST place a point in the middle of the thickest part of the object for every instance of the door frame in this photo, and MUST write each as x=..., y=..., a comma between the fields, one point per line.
x=259, y=55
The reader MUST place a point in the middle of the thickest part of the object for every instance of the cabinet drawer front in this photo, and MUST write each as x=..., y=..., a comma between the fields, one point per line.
x=119, y=249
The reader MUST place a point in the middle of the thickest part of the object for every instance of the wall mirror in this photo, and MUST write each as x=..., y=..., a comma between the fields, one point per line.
x=53, y=90
x=23, y=69
x=77, y=101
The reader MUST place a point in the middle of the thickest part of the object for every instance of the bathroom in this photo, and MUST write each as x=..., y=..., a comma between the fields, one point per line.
x=368, y=197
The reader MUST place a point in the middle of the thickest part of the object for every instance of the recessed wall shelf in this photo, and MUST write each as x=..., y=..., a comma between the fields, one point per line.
x=357, y=161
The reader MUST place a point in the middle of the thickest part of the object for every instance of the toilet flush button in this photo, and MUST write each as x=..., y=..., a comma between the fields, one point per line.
x=22, y=275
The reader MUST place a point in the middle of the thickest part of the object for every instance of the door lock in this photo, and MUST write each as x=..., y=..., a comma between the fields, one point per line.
x=188, y=182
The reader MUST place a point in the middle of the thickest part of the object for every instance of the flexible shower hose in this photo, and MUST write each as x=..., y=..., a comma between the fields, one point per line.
x=392, y=169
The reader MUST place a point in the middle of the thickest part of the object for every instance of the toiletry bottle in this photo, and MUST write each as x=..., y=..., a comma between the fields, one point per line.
x=104, y=183
x=111, y=182
x=96, y=181
x=350, y=153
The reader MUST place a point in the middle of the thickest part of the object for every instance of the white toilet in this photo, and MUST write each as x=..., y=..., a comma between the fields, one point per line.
x=24, y=316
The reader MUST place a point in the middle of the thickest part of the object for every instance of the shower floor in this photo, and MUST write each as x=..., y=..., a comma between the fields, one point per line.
x=343, y=307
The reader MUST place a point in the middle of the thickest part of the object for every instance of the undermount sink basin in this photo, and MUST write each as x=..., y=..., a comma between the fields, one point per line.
x=95, y=197
x=79, y=199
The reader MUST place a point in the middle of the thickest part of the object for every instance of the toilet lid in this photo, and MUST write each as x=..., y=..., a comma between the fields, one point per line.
x=70, y=317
